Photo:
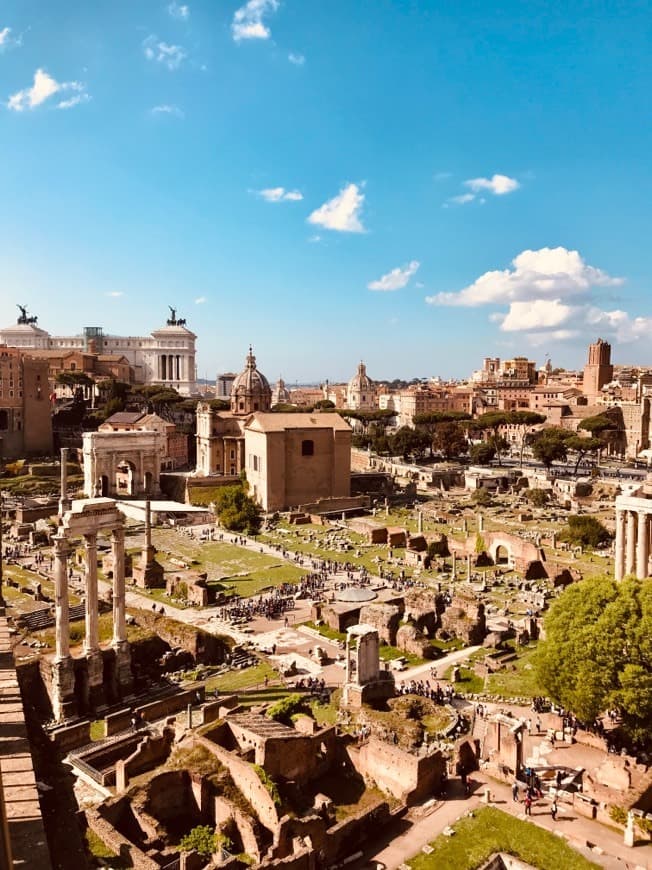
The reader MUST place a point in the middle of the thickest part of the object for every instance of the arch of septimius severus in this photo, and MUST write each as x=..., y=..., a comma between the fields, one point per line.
x=633, y=532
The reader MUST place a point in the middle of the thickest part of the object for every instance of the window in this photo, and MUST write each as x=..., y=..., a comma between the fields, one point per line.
x=308, y=448
x=233, y=454
x=4, y=420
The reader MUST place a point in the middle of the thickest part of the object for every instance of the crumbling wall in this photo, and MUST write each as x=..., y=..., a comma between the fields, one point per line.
x=465, y=619
x=385, y=618
x=408, y=777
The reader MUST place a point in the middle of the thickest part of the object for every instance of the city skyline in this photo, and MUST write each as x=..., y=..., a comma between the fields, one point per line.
x=419, y=188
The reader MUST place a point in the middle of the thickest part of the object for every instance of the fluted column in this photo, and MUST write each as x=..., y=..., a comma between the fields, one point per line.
x=642, y=546
x=92, y=639
x=118, y=551
x=630, y=547
x=620, y=545
x=62, y=621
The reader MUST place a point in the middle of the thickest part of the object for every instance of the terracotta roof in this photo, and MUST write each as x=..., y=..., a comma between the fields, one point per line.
x=270, y=422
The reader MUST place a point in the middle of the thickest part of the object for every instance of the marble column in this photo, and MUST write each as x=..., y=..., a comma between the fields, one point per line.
x=92, y=639
x=118, y=552
x=620, y=545
x=630, y=545
x=454, y=569
x=64, y=501
x=62, y=622
x=642, y=546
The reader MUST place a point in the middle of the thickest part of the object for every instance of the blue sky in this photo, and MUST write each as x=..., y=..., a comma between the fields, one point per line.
x=415, y=183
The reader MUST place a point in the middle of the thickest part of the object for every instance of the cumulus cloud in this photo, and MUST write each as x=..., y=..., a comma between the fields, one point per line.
x=498, y=185
x=549, y=294
x=171, y=56
x=200, y=300
x=279, y=194
x=396, y=278
x=296, y=59
x=547, y=273
x=167, y=109
x=44, y=87
x=342, y=212
x=248, y=20
x=179, y=10
x=8, y=40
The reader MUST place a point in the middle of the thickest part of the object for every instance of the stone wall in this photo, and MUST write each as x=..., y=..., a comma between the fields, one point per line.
x=464, y=618
x=385, y=618
x=119, y=844
x=407, y=777
x=206, y=648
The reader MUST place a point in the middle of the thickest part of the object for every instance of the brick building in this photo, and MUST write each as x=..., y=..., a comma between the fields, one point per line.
x=25, y=412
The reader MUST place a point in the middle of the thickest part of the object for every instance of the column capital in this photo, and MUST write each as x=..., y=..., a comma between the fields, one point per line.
x=118, y=533
x=61, y=545
x=90, y=540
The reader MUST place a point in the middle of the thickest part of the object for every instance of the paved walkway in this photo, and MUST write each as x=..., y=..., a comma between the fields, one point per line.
x=581, y=833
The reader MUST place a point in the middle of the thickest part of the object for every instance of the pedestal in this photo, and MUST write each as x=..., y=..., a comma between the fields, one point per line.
x=123, y=675
x=94, y=680
x=62, y=689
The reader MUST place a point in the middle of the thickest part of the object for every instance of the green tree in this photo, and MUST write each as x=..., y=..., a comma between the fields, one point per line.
x=490, y=423
x=550, y=445
x=583, y=446
x=408, y=441
x=524, y=420
x=585, y=532
x=201, y=839
x=236, y=510
x=537, y=497
x=482, y=454
x=597, y=653
x=449, y=439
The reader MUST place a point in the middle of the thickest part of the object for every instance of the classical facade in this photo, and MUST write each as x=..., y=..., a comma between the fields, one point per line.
x=175, y=450
x=633, y=532
x=25, y=413
x=165, y=357
x=289, y=459
x=122, y=464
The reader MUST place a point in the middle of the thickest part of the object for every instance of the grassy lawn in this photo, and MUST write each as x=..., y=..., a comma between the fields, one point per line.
x=326, y=714
x=238, y=681
x=518, y=678
x=325, y=631
x=100, y=854
x=489, y=831
x=390, y=653
x=468, y=682
x=105, y=625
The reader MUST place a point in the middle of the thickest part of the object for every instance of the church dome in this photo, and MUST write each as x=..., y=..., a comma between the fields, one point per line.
x=280, y=393
x=250, y=391
x=361, y=380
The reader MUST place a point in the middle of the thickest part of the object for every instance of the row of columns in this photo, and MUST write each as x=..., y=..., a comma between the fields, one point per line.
x=173, y=367
x=632, y=543
x=62, y=606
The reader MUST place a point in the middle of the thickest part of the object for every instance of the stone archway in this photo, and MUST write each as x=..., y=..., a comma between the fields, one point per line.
x=502, y=555
x=122, y=464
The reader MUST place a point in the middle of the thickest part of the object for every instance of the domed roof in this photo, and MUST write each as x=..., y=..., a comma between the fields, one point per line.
x=251, y=390
x=361, y=380
x=280, y=393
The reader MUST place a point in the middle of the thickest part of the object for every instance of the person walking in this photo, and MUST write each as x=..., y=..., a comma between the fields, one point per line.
x=553, y=809
x=515, y=791
x=528, y=805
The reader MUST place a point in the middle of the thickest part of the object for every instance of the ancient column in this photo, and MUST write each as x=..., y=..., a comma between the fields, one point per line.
x=64, y=501
x=454, y=570
x=630, y=543
x=480, y=523
x=420, y=522
x=92, y=639
x=619, y=568
x=118, y=552
x=468, y=566
x=62, y=624
x=642, y=546
x=62, y=685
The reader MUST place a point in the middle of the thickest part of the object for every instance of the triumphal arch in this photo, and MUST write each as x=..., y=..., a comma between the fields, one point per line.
x=122, y=464
x=84, y=683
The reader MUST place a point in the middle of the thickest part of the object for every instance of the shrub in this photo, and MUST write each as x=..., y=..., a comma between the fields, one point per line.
x=201, y=839
x=285, y=708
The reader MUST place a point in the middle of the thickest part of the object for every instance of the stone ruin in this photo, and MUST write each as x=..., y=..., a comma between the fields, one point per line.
x=97, y=676
x=364, y=682
x=464, y=618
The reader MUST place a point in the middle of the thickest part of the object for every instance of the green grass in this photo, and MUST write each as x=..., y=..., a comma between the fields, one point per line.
x=489, y=831
x=238, y=681
x=325, y=631
x=326, y=714
x=97, y=729
x=390, y=653
x=102, y=855
x=517, y=678
x=468, y=682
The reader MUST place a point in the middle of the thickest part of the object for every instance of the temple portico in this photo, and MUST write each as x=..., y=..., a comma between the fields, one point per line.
x=633, y=533
x=76, y=683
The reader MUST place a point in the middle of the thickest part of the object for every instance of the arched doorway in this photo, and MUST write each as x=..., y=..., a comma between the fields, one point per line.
x=104, y=486
x=125, y=478
x=502, y=555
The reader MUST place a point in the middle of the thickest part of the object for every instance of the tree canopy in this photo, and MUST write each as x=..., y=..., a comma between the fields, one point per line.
x=550, y=445
x=585, y=531
x=482, y=454
x=597, y=654
x=236, y=510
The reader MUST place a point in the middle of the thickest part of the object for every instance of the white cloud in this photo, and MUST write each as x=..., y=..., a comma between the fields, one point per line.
x=167, y=109
x=499, y=185
x=44, y=87
x=248, y=20
x=171, y=56
x=396, y=279
x=549, y=273
x=296, y=59
x=179, y=10
x=342, y=212
x=115, y=294
x=462, y=199
x=200, y=300
x=279, y=194
x=442, y=176
x=549, y=296
x=314, y=239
